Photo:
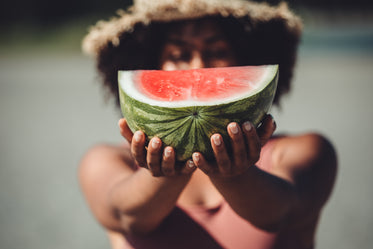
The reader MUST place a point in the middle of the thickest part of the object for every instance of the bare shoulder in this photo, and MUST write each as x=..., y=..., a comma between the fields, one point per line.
x=105, y=159
x=99, y=170
x=308, y=161
x=302, y=152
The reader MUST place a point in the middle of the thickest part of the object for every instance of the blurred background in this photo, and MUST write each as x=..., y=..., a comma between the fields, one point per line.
x=52, y=110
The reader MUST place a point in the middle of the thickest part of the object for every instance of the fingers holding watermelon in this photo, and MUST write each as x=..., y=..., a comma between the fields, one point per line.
x=246, y=143
x=137, y=141
x=138, y=148
x=170, y=167
x=202, y=164
x=222, y=158
x=159, y=161
x=266, y=129
x=238, y=143
x=125, y=130
x=253, y=145
x=188, y=168
x=226, y=164
x=168, y=162
x=245, y=151
x=153, y=157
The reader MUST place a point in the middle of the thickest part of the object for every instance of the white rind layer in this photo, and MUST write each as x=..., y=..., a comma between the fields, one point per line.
x=128, y=85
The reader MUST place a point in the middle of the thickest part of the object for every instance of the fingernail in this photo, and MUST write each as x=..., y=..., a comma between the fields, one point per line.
x=234, y=128
x=217, y=140
x=247, y=126
x=190, y=164
x=155, y=143
x=196, y=157
x=167, y=152
x=137, y=136
x=274, y=121
x=119, y=122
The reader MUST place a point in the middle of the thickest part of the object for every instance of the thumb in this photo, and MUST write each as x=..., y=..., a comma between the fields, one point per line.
x=125, y=130
x=266, y=129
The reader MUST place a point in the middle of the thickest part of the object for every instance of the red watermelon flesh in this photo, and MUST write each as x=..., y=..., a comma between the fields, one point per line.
x=198, y=84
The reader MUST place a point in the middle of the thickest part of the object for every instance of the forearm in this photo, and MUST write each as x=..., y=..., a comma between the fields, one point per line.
x=143, y=201
x=261, y=198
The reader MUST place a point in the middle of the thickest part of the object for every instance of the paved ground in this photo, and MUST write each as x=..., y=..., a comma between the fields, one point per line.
x=51, y=112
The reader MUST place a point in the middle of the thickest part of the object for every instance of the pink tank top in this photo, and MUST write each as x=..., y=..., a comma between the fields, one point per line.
x=198, y=227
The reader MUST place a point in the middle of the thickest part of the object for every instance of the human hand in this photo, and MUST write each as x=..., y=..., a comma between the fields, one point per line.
x=158, y=160
x=246, y=143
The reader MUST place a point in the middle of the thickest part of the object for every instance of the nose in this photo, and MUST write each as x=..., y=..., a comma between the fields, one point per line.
x=196, y=61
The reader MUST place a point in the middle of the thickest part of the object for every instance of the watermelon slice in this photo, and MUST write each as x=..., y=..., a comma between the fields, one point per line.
x=185, y=107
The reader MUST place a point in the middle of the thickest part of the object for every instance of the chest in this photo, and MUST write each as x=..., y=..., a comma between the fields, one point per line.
x=228, y=229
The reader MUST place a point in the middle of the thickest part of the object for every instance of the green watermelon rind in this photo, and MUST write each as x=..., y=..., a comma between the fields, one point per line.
x=188, y=129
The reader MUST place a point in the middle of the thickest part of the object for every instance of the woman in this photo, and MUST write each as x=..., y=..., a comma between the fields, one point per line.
x=267, y=193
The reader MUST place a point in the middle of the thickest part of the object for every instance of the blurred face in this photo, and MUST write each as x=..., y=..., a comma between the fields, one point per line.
x=196, y=44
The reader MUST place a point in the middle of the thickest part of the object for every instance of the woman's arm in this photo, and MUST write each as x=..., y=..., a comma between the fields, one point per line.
x=127, y=199
x=142, y=201
x=261, y=198
x=298, y=185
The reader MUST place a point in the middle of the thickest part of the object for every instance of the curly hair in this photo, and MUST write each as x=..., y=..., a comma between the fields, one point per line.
x=258, y=43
